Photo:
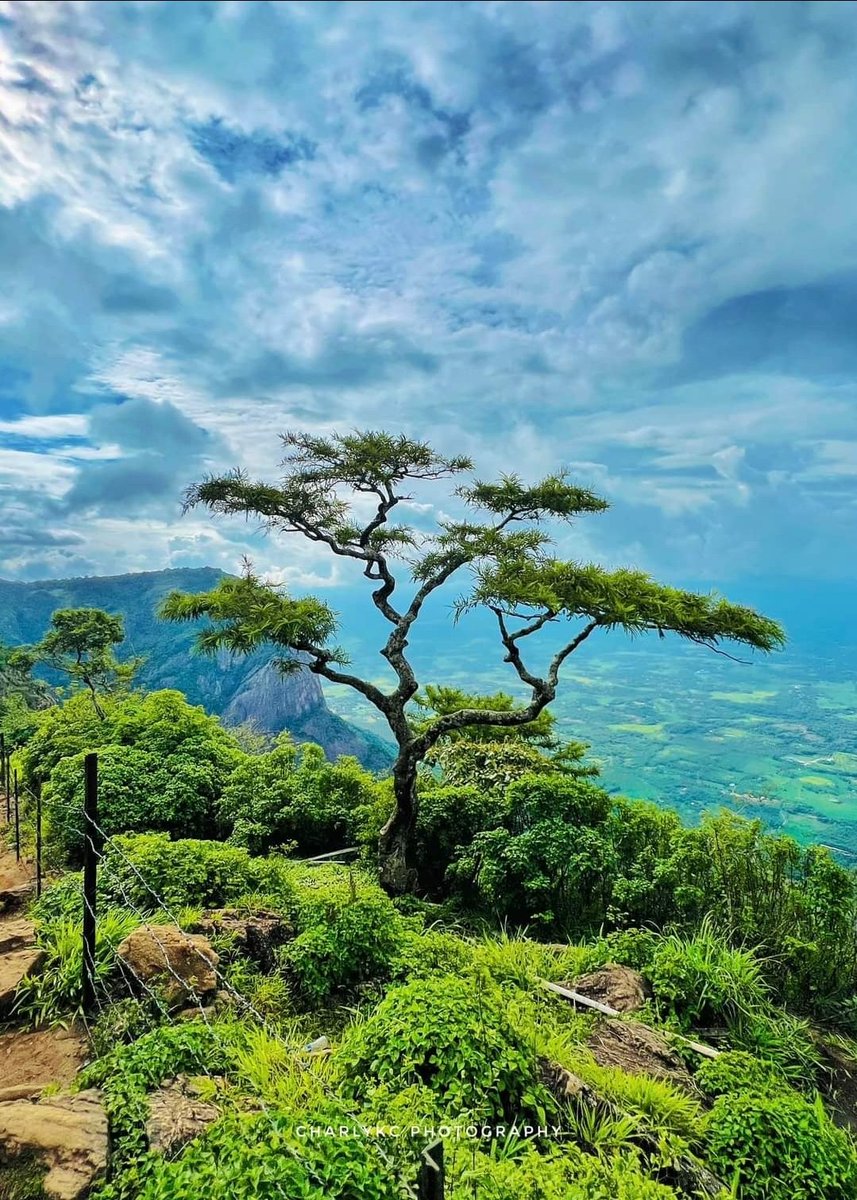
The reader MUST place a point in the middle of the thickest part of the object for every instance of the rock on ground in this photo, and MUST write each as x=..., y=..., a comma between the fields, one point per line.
x=67, y=1137
x=257, y=933
x=177, y=1114
x=619, y=987
x=181, y=965
x=16, y=933
x=639, y=1050
x=15, y=896
x=14, y=968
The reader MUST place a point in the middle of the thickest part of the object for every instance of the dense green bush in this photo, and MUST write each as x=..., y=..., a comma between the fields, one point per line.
x=547, y=864
x=142, y=869
x=272, y=1155
x=163, y=764
x=127, y=1073
x=737, y=1071
x=630, y=947
x=780, y=1147
x=448, y=819
x=349, y=931
x=566, y=1174
x=558, y=855
x=453, y=1036
x=294, y=795
x=121, y=1023
x=430, y=952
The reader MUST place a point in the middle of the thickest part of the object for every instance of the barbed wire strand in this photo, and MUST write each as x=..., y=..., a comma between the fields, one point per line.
x=244, y=1001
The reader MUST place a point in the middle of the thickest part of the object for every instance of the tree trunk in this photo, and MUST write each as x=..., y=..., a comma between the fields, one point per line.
x=396, y=850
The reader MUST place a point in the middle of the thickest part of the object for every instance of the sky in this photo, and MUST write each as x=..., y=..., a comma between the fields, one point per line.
x=615, y=238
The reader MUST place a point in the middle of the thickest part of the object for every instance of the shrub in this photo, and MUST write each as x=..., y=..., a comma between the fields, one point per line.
x=61, y=899
x=128, y=1072
x=568, y=1174
x=348, y=932
x=448, y=819
x=294, y=795
x=630, y=947
x=162, y=766
x=120, y=1024
x=423, y=953
x=780, y=1147
x=452, y=1036
x=661, y=873
x=205, y=874
x=702, y=978
x=549, y=863
x=736, y=1071
x=262, y=1156
x=65, y=730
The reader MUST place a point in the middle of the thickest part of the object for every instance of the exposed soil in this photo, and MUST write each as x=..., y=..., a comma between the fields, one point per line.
x=33, y=1058
x=638, y=1050
x=13, y=874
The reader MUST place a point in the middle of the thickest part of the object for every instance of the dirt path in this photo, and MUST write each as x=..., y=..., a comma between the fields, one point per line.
x=29, y=1058
x=12, y=874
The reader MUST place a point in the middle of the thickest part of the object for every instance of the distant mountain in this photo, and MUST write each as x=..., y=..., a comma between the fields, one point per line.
x=239, y=690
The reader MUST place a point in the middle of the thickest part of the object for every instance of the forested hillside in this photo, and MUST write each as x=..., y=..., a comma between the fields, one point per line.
x=244, y=689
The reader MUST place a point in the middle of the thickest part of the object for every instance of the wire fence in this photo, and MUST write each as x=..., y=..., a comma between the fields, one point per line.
x=106, y=862
x=22, y=806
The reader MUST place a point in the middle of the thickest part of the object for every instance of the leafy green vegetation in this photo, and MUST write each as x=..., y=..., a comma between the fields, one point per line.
x=504, y=546
x=780, y=1147
x=375, y=1024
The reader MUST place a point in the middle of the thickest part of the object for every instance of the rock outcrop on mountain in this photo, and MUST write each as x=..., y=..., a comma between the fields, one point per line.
x=241, y=690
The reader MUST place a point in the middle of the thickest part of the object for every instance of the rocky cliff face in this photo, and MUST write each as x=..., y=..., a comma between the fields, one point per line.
x=270, y=700
x=240, y=690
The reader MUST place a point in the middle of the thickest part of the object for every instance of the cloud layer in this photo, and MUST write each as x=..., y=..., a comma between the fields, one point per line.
x=619, y=237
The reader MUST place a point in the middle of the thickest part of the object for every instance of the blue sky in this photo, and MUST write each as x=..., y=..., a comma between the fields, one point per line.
x=615, y=237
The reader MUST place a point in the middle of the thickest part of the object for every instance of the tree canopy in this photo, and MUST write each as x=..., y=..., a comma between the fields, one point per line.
x=504, y=545
x=80, y=643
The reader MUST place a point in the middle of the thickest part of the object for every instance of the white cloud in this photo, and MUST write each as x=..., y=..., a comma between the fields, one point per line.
x=506, y=222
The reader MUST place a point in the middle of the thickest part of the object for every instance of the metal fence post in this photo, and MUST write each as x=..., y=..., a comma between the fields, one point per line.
x=17, y=822
x=90, y=864
x=432, y=1177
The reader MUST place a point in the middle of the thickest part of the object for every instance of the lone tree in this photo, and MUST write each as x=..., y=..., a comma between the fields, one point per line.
x=80, y=643
x=323, y=497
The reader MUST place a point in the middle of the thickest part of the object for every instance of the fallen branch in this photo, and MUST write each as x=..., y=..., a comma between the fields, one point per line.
x=607, y=1011
x=331, y=855
x=577, y=998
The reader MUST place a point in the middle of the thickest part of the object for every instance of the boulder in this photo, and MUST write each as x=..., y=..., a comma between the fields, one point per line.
x=66, y=1137
x=619, y=987
x=14, y=968
x=256, y=933
x=639, y=1050
x=181, y=966
x=177, y=1114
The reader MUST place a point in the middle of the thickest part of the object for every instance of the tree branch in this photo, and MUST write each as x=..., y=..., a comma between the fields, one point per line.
x=561, y=655
x=321, y=665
